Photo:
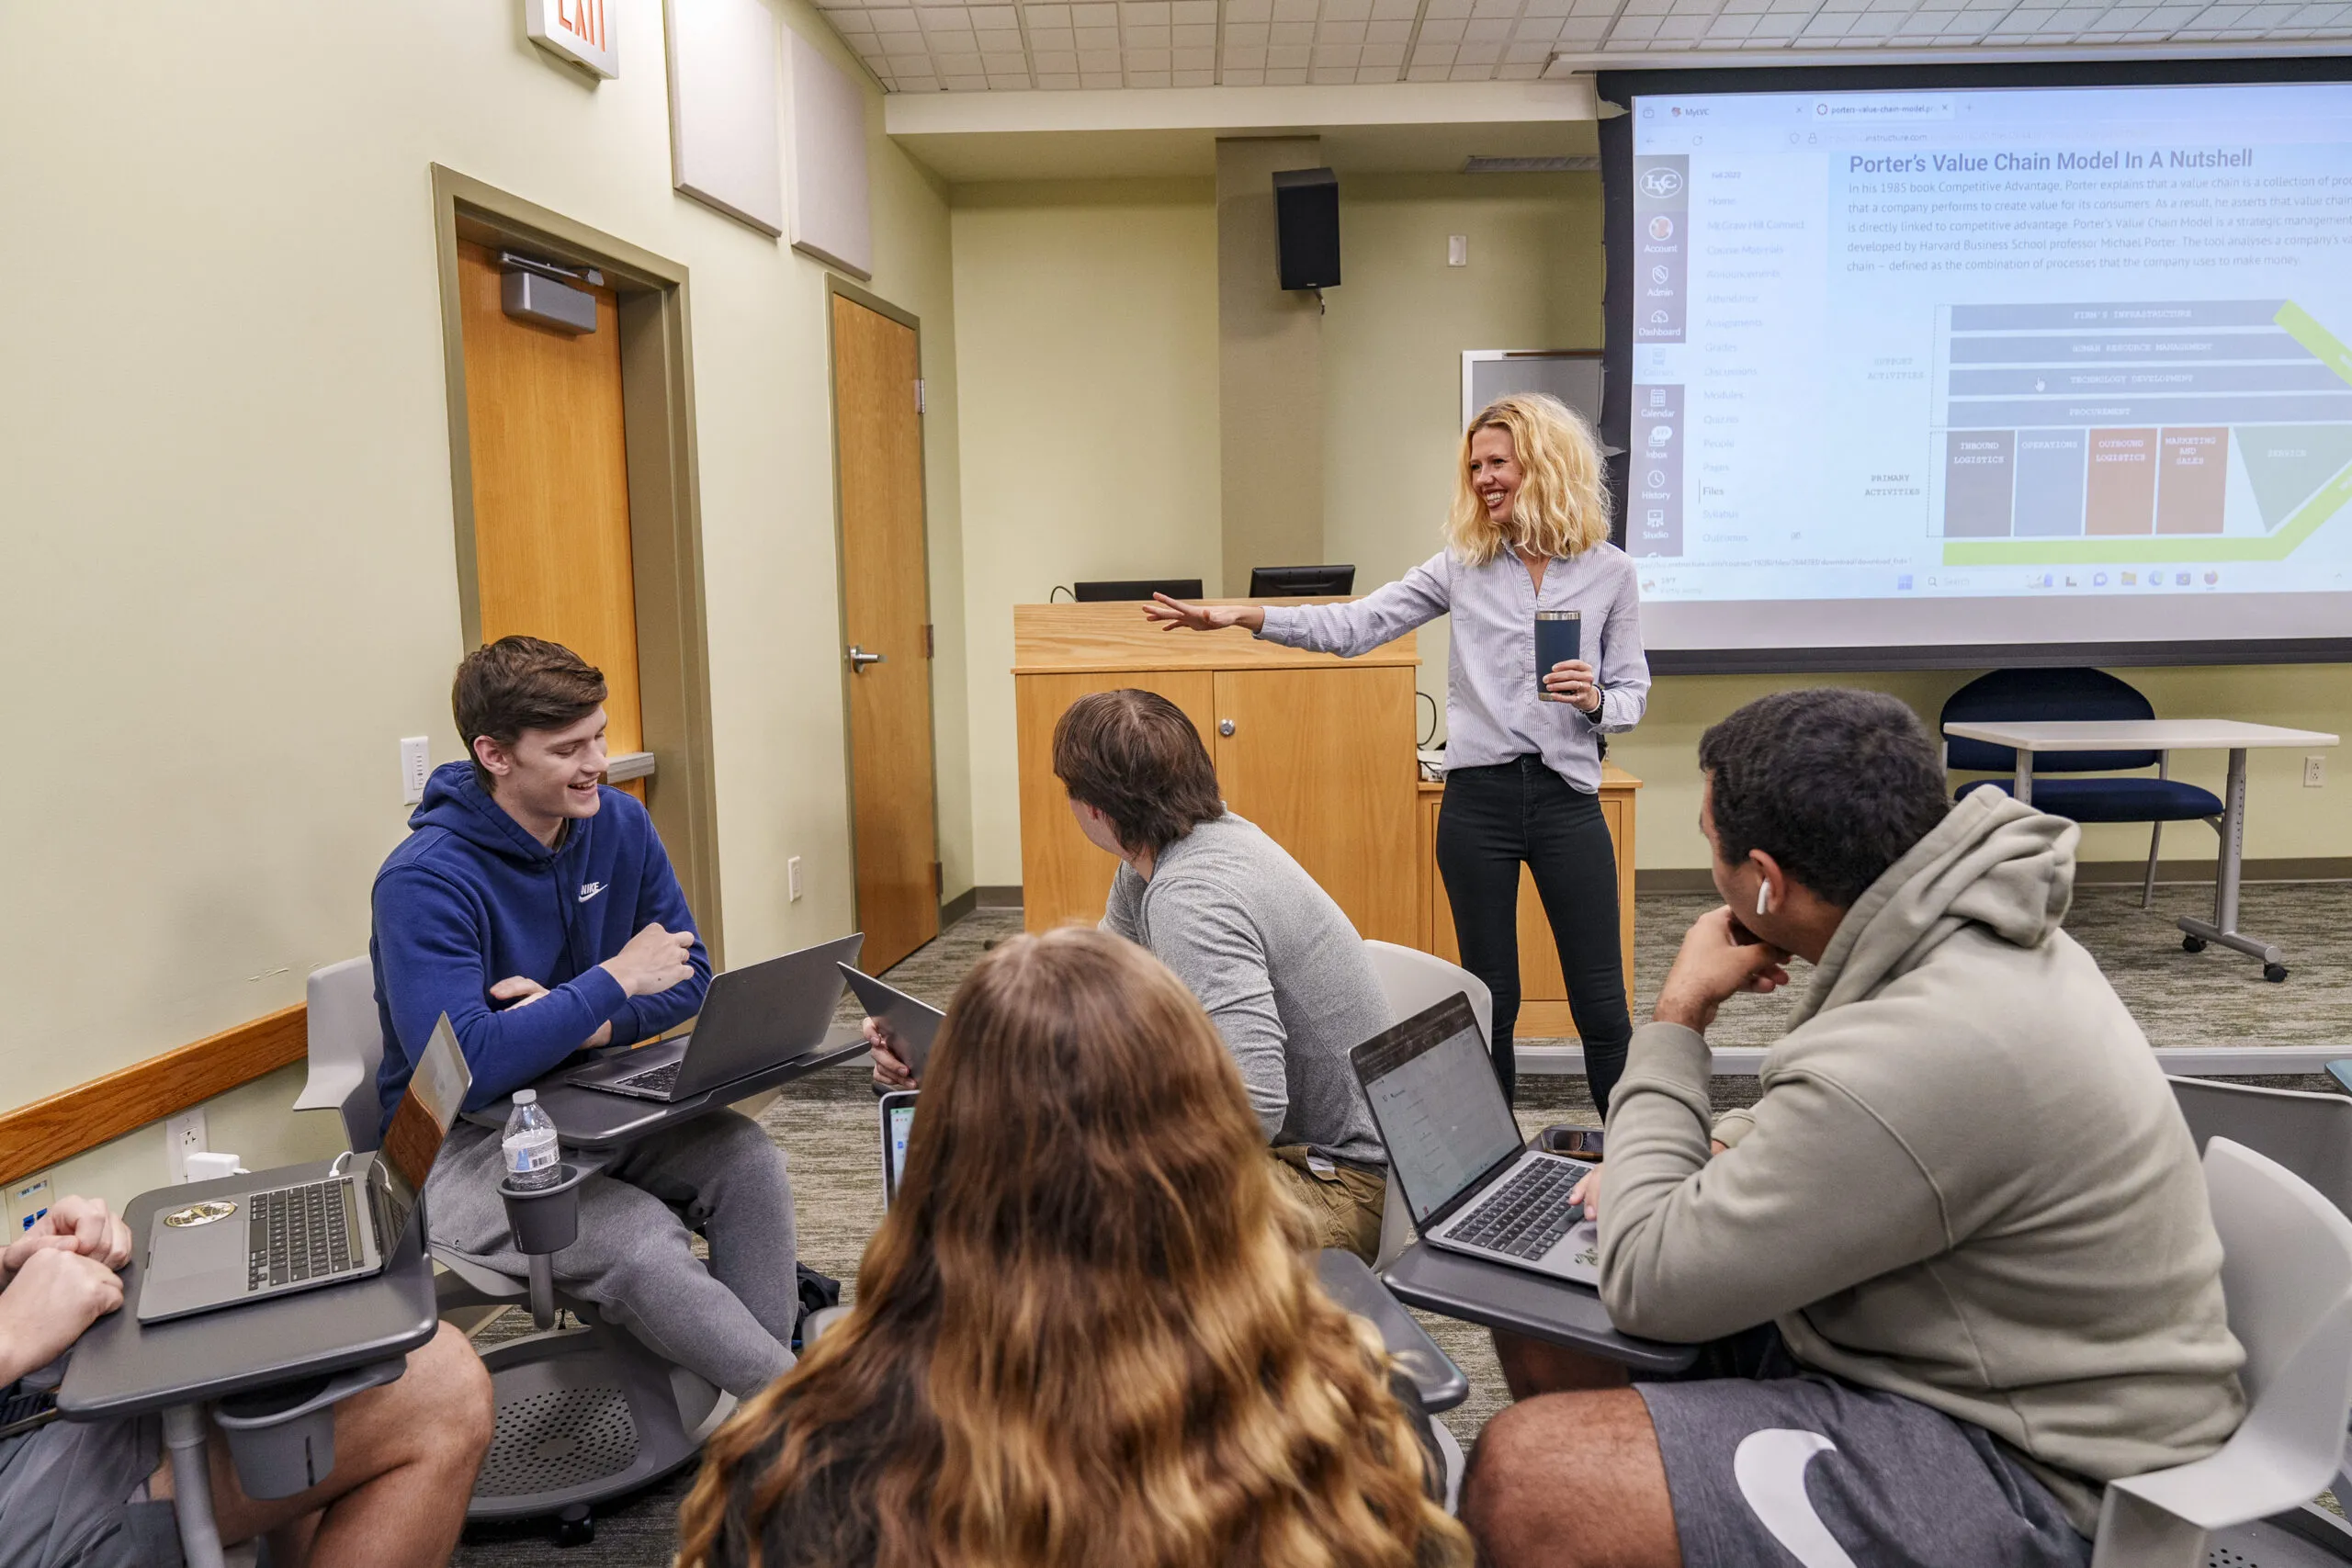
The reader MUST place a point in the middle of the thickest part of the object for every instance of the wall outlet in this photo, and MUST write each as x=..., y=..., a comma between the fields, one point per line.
x=416, y=766
x=2314, y=772
x=1457, y=250
x=792, y=879
x=182, y=1135
x=28, y=1200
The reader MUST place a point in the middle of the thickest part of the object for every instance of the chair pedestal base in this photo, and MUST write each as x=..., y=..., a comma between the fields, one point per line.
x=586, y=1415
x=2252, y=946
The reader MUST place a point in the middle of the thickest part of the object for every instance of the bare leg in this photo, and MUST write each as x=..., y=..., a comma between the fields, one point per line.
x=1534, y=1366
x=1571, y=1481
x=405, y=1457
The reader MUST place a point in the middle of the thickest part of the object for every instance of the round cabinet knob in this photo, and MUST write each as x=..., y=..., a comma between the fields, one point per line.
x=1225, y=726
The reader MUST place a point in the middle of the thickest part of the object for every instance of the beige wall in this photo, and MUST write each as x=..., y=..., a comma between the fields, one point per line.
x=1086, y=329
x=232, y=584
x=1394, y=340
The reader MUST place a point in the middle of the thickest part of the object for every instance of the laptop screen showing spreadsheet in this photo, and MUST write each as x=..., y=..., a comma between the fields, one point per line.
x=1440, y=1111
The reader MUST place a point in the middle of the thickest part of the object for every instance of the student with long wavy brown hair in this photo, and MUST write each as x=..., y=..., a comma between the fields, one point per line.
x=1087, y=1331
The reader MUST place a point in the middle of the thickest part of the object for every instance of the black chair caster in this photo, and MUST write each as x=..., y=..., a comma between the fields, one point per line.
x=2275, y=973
x=2192, y=945
x=576, y=1526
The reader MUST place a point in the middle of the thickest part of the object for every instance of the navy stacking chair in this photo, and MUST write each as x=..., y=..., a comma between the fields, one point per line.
x=2024, y=696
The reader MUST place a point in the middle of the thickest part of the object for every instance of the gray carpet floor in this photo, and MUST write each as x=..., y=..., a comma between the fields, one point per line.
x=826, y=1125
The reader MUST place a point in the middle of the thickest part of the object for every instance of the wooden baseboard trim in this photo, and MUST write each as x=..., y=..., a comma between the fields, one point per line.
x=2087, y=873
x=34, y=1137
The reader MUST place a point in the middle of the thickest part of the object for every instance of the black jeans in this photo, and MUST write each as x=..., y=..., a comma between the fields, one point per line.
x=1493, y=819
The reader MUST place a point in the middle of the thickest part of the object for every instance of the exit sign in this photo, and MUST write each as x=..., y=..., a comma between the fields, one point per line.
x=575, y=30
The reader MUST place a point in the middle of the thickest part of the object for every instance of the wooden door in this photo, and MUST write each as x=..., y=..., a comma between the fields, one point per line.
x=550, y=482
x=1063, y=876
x=885, y=611
x=1323, y=761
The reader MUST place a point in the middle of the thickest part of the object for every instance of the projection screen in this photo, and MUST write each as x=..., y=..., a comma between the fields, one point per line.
x=1945, y=366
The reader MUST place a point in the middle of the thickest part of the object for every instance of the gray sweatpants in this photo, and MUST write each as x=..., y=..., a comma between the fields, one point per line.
x=730, y=1322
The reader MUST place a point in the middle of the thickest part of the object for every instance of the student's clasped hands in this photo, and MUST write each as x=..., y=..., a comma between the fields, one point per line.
x=60, y=1278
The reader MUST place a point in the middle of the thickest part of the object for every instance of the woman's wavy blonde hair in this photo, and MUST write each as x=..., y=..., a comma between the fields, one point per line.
x=1563, y=505
x=1087, y=1335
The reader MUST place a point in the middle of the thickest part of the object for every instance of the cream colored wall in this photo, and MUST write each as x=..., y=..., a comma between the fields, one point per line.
x=1086, y=335
x=1395, y=334
x=232, y=584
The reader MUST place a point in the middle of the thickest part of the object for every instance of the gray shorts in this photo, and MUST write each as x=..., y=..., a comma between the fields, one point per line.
x=1775, y=1464
x=65, y=1497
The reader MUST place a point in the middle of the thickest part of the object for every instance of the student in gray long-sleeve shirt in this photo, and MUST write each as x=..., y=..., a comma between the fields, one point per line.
x=1528, y=535
x=1279, y=969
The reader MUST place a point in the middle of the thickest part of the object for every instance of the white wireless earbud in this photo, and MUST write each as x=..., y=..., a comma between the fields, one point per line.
x=1763, y=897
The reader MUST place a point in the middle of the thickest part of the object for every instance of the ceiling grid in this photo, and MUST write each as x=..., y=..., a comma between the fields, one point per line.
x=975, y=47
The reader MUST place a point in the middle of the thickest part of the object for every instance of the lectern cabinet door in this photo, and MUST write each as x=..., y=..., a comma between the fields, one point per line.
x=1063, y=877
x=1323, y=761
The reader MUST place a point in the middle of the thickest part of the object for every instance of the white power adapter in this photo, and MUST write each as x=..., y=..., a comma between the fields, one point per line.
x=211, y=1167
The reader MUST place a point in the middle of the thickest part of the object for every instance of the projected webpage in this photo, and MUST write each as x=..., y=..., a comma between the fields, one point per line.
x=1925, y=346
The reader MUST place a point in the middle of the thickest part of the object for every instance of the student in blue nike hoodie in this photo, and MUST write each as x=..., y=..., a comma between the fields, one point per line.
x=536, y=907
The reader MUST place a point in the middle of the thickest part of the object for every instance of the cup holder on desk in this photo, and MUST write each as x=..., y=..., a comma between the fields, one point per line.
x=545, y=1219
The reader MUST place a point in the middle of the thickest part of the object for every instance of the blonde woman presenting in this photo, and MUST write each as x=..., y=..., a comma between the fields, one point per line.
x=1529, y=533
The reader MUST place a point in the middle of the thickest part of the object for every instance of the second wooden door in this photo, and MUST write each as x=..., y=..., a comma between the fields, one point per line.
x=886, y=631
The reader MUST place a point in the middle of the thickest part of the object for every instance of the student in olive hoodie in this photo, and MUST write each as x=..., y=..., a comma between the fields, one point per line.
x=1956, y=1263
x=535, y=906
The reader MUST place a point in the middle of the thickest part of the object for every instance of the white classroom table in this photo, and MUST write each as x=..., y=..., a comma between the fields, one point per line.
x=2168, y=734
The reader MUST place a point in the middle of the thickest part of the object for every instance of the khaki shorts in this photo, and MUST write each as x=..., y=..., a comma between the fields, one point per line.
x=1345, y=1201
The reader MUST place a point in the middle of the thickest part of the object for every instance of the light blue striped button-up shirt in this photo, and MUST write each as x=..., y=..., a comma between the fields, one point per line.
x=1492, y=713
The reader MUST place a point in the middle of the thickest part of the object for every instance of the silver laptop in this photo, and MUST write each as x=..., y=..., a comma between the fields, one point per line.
x=271, y=1240
x=1472, y=1183
x=751, y=1018
x=916, y=1024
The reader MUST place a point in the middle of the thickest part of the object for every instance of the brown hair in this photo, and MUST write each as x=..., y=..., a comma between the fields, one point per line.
x=1134, y=756
x=518, y=683
x=1087, y=1332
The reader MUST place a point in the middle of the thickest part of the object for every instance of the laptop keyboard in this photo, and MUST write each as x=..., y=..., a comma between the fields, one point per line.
x=297, y=1233
x=657, y=1080
x=1527, y=1215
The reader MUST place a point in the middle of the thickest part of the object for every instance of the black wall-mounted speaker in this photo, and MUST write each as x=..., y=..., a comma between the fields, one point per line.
x=1307, y=227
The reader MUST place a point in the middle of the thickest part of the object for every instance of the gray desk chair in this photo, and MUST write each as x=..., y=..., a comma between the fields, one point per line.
x=1413, y=980
x=2287, y=1275
x=586, y=1413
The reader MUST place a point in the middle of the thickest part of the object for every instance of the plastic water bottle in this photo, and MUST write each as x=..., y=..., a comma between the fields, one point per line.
x=533, y=1160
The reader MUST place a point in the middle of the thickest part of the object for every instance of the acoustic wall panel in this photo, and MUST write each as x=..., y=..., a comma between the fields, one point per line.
x=832, y=214
x=723, y=119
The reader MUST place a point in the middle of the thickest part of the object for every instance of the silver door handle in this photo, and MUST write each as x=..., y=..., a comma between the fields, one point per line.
x=1225, y=726
x=859, y=659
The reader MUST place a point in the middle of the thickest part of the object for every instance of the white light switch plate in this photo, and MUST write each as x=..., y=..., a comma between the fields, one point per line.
x=416, y=766
x=792, y=879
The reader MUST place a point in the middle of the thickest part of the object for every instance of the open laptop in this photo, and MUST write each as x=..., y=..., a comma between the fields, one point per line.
x=751, y=1018
x=916, y=1024
x=1470, y=1180
x=271, y=1240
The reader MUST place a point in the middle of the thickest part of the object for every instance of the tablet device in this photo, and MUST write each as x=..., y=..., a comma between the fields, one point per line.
x=915, y=1023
